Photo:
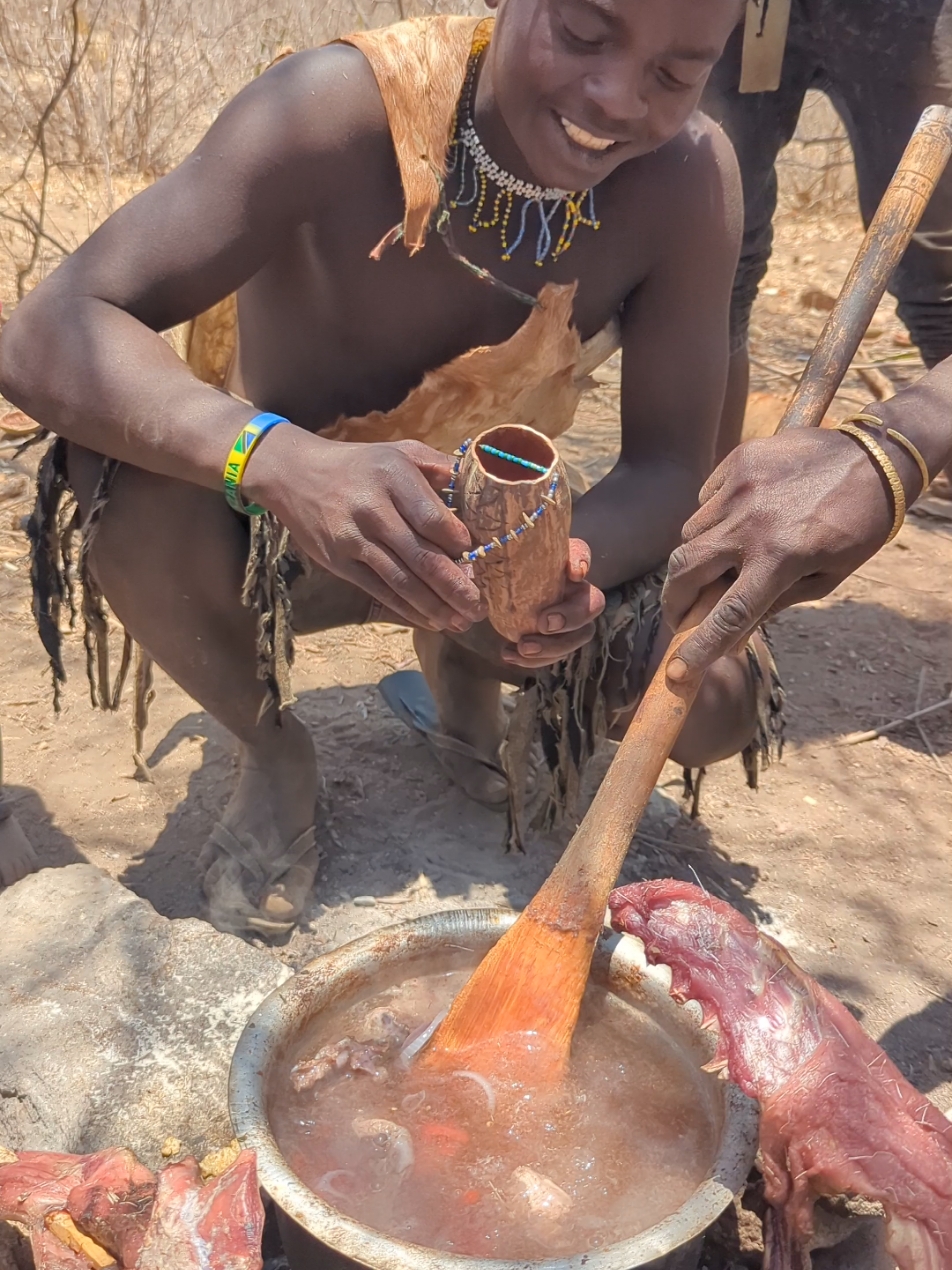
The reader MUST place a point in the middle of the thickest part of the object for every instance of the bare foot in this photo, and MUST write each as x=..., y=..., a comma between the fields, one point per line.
x=261, y=861
x=17, y=857
x=468, y=699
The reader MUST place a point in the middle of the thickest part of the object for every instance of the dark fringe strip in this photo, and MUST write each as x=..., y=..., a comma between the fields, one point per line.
x=271, y=568
x=573, y=715
x=50, y=529
x=57, y=570
x=143, y=698
x=767, y=745
x=95, y=617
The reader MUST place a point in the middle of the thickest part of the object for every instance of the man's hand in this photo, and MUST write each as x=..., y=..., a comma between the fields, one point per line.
x=788, y=518
x=567, y=625
x=371, y=514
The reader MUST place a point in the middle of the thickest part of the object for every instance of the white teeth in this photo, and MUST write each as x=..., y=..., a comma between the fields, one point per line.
x=583, y=138
x=661, y=974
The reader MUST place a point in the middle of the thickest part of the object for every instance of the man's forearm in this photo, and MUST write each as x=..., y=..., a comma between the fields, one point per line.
x=923, y=414
x=95, y=375
x=632, y=519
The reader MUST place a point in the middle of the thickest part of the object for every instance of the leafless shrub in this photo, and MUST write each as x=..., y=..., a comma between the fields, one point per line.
x=98, y=97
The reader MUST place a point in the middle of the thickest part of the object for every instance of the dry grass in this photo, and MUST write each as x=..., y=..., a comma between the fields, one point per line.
x=98, y=97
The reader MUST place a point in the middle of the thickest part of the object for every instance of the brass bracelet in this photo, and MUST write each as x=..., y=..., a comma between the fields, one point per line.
x=885, y=463
x=906, y=444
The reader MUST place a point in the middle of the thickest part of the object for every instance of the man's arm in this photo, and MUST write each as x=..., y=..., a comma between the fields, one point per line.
x=788, y=518
x=674, y=364
x=82, y=356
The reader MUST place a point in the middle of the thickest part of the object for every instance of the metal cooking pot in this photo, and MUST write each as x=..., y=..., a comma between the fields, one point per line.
x=318, y=1237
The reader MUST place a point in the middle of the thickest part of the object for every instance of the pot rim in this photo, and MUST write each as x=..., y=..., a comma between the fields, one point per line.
x=281, y=1014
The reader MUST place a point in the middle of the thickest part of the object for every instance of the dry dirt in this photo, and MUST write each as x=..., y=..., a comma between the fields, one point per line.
x=843, y=853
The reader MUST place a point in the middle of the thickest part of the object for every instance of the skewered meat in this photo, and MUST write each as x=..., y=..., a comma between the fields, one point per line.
x=837, y=1117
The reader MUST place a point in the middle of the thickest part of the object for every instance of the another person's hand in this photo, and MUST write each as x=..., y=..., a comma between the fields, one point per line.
x=371, y=514
x=787, y=518
x=566, y=626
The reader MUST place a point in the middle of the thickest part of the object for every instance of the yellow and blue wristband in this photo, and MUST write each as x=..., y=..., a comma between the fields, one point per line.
x=238, y=457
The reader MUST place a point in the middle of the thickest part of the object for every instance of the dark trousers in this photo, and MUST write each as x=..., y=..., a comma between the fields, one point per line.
x=881, y=62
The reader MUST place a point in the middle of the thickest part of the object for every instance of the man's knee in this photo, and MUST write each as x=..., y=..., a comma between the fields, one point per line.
x=723, y=719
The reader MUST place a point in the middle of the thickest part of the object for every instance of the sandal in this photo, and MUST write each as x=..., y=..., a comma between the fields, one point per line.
x=407, y=694
x=238, y=864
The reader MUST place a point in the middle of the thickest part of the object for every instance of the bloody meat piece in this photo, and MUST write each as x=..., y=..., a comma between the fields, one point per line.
x=837, y=1117
x=113, y=1204
x=217, y=1226
x=108, y=1195
x=174, y=1223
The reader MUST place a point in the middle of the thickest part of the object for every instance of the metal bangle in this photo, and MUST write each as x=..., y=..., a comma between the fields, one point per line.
x=906, y=444
x=886, y=465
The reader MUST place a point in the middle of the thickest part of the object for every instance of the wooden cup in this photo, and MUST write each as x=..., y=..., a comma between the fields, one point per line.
x=527, y=574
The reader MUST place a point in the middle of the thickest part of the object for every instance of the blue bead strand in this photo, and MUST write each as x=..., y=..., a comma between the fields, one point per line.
x=513, y=458
x=528, y=521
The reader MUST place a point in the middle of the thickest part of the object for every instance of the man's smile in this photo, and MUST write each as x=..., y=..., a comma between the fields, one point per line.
x=583, y=138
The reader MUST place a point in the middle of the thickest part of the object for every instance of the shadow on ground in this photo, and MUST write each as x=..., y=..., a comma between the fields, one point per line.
x=390, y=814
x=53, y=847
x=870, y=653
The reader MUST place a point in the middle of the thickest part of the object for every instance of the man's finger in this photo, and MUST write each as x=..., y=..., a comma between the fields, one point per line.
x=399, y=577
x=582, y=604
x=435, y=466
x=580, y=560
x=731, y=622
x=363, y=576
x=707, y=517
x=691, y=567
x=437, y=571
x=713, y=484
x=426, y=513
x=535, y=651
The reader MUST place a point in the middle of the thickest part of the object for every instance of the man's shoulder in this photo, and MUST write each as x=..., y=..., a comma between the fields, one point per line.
x=700, y=152
x=688, y=176
x=332, y=87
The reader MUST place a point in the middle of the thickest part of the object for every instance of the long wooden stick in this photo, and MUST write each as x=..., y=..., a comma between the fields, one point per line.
x=524, y=997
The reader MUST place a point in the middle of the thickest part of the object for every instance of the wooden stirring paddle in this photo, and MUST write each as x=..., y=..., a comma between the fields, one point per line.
x=522, y=1002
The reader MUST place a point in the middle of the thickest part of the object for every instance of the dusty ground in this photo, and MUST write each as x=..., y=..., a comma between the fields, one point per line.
x=843, y=853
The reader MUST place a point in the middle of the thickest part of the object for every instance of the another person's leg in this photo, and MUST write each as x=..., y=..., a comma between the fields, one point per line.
x=888, y=61
x=758, y=125
x=17, y=857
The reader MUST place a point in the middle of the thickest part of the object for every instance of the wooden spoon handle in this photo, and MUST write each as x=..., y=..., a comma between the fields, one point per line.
x=888, y=236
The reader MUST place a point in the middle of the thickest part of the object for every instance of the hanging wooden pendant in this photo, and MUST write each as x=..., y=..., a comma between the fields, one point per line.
x=521, y=576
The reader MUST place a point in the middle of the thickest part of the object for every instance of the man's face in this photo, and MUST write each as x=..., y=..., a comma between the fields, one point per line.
x=583, y=85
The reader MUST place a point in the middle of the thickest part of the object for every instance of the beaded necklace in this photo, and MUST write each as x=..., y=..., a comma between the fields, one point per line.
x=528, y=520
x=477, y=172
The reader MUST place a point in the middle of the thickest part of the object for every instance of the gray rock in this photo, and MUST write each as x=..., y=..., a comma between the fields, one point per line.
x=117, y=1025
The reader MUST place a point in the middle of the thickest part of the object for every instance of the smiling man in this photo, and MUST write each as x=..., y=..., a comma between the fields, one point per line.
x=335, y=195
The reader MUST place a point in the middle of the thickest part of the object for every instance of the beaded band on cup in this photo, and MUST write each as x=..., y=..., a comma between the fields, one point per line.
x=528, y=520
x=906, y=444
x=238, y=457
x=885, y=463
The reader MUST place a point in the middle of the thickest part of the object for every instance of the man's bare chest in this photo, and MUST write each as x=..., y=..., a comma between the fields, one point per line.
x=326, y=331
